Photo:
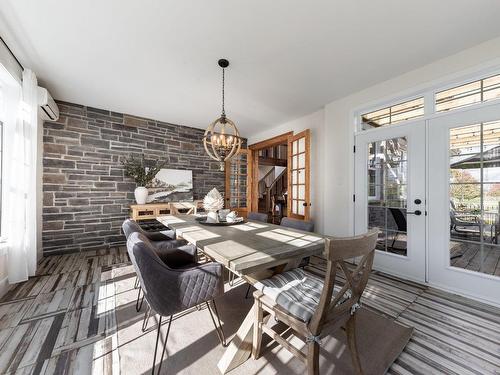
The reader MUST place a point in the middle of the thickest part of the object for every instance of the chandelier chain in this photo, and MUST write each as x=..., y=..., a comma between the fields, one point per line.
x=223, y=111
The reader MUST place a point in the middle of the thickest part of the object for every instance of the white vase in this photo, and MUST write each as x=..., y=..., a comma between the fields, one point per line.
x=212, y=217
x=141, y=194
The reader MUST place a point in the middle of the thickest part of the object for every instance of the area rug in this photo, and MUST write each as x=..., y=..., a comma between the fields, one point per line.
x=193, y=347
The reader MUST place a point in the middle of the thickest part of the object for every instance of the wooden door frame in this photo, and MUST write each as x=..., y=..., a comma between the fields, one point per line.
x=254, y=165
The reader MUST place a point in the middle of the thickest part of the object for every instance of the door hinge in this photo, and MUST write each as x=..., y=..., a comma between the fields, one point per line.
x=354, y=149
x=354, y=197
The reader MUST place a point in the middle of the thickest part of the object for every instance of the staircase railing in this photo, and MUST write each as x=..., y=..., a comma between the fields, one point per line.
x=275, y=188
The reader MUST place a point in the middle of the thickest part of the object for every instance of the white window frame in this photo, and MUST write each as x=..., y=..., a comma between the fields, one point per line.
x=429, y=93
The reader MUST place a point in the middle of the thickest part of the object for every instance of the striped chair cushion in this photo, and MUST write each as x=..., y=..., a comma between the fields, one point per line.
x=297, y=291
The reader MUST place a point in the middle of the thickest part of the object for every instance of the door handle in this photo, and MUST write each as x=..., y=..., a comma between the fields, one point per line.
x=416, y=212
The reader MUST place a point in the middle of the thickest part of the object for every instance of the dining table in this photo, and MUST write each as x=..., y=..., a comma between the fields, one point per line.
x=252, y=250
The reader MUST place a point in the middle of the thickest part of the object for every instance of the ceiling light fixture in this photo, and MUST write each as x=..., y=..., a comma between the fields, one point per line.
x=222, y=140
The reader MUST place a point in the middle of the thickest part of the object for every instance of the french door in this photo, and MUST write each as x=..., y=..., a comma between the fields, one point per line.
x=390, y=194
x=464, y=202
x=238, y=170
x=299, y=201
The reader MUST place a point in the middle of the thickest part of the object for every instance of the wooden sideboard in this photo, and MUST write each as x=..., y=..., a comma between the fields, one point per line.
x=150, y=211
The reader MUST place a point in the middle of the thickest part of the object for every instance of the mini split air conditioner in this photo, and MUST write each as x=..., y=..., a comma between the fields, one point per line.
x=48, y=107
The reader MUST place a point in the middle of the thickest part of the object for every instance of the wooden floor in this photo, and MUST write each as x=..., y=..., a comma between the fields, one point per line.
x=471, y=256
x=63, y=321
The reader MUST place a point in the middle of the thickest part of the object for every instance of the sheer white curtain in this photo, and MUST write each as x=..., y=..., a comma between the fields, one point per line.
x=19, y=183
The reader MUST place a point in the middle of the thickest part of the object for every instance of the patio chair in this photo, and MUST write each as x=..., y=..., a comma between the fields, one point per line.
x=459, y=222
x=170, y=291
x=401, y=224
x=314, y=307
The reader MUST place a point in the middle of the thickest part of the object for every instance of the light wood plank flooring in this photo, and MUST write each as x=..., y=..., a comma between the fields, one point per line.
x=63, y=321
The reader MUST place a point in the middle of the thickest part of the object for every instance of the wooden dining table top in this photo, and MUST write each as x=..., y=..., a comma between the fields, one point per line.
x=247, y=247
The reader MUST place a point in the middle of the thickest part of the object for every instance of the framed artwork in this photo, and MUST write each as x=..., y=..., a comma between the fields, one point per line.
x=171, y=185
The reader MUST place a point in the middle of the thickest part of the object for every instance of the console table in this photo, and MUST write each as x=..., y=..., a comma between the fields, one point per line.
x=151, y=211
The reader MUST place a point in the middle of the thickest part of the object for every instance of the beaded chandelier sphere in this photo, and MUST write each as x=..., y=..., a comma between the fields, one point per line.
x=222, y=139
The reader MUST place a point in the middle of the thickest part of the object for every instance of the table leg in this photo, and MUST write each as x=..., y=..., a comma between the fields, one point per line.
x=240, y=347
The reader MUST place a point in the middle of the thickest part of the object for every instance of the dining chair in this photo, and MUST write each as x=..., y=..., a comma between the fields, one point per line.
x=175, y=253
x=305, y=225
x=169, y=291
x=257, y=216
x=314, y=307
x=130, y=226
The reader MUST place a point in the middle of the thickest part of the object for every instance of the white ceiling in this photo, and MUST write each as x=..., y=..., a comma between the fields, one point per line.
x=158, y=59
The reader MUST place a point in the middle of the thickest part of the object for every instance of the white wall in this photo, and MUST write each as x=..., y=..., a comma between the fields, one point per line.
x=332, y=166
x=315, y=121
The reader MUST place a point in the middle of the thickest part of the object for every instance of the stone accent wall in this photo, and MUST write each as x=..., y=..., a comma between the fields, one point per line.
x=86, y=195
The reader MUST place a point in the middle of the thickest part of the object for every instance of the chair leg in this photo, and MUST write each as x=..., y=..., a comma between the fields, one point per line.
x=248, y=291
x=351, y=341
x=313, y=358
x=146, y=318
x=164, y=344
x=231, y=279
x=138, y=303
x=218, y=329
x=257, y=329
x=394, y=240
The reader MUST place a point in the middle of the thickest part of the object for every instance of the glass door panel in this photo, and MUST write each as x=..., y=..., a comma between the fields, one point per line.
x=387, y=197
x=474, y=194
x=464, y=202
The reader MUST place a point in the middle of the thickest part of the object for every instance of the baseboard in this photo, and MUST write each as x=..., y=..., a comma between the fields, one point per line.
x=4, y=286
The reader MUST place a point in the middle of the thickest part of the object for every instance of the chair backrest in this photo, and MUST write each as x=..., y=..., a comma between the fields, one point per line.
x=257, y=216
x=150, y=270
x=130, y=226
x=167, y=290
x=304, y=225
x=337, y=252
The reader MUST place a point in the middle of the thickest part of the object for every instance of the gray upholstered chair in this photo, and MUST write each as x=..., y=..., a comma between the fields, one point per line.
x=304, y=225
x=174, y=253
x=130, y=226
x=257, y=216
x=169, y=291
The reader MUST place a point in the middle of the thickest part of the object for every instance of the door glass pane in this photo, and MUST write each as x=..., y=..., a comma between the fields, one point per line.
x=302, y=176
x=475, y=197
x=300, y=209
x=387, y=195
x=302, y=145
x=302, y=161
x=302, y=192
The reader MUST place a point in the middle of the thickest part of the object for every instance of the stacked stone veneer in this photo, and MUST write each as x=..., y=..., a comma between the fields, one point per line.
x=86, y=195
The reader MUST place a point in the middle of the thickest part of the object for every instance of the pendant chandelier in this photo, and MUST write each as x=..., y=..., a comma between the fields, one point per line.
x=222, y=140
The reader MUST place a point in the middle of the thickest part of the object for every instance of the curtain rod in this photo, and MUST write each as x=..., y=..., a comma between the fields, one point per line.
x=12, y=53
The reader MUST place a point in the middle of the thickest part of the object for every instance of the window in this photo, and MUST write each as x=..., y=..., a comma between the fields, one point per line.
x=471, y=93
x=408, y=110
